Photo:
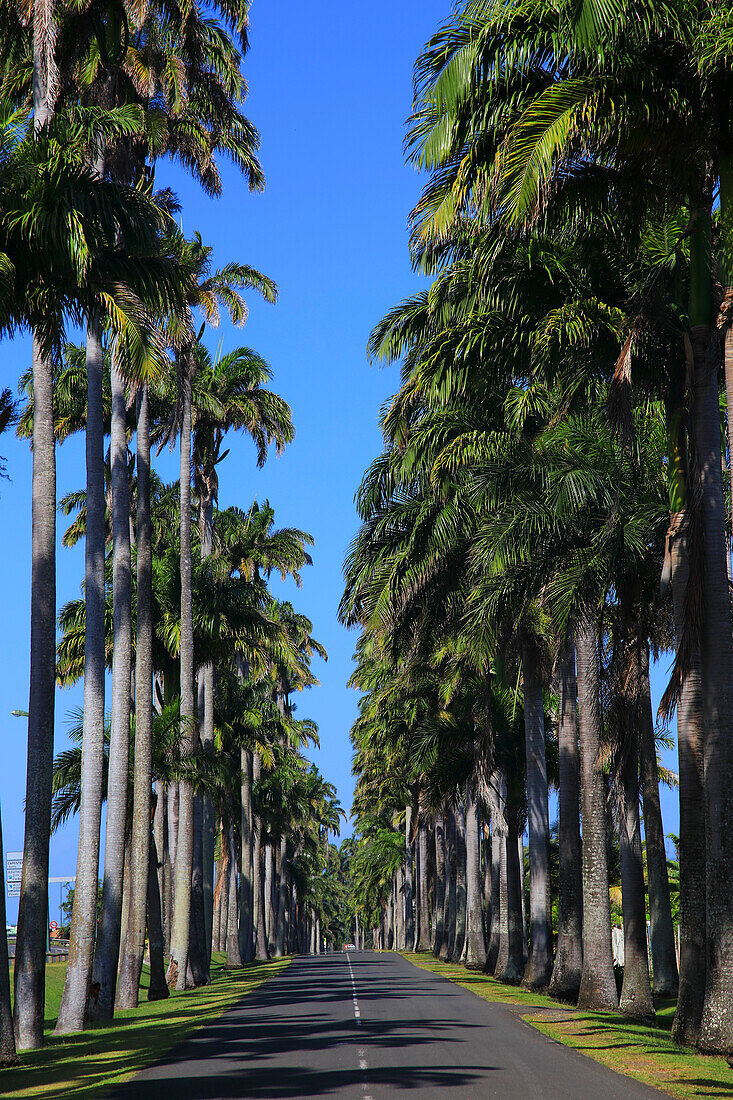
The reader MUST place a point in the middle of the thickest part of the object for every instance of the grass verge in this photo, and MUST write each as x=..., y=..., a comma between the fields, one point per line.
x=644, y=1053
x=89, y=1064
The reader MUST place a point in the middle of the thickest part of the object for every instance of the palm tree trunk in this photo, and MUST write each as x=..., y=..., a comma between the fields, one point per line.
x=158, y=989
x=539, y=965
x=207, y=741
x=664, y=959
x=409, y=914
x=636, y=994
x=268, y=915
x=198, y=955
x=598, y=983
x=282, y=897
x=132, y=958
x=423, y=908
x=161, y=843
x=399, y=911
x=475, y=939
x=223, y=891
x=234, y=959
x=716, y=646
x=510, y=961
x=74, y=999
x=440, y=877
x=246, y=938
x=449, y=892
x=178, y=965
x=30, y=946
x=106, y=955
x=258, y=878
x=566, y=974
x=460, y=918
x=498, y=884
x=690, y=733
x=8, y=1056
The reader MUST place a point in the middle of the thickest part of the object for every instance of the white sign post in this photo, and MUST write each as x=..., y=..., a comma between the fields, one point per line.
x=13, y=873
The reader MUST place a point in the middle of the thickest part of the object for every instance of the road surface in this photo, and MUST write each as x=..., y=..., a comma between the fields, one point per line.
x=367, y=1026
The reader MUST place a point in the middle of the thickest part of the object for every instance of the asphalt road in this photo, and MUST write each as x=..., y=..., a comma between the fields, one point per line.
x=368, y=1026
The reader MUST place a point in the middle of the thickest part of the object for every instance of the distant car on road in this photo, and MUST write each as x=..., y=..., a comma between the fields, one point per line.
x=350, y=947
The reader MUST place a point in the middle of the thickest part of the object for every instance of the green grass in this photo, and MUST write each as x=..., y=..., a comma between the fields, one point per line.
x=89, y=1064
x=645, y=1053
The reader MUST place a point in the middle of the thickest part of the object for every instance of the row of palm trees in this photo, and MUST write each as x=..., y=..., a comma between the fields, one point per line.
x=200, y=761
x=550, y=512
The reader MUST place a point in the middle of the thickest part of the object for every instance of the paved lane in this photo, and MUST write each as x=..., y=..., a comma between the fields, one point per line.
x=373, y=1027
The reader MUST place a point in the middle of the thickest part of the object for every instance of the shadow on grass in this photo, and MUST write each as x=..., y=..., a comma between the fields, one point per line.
x=95, y=1060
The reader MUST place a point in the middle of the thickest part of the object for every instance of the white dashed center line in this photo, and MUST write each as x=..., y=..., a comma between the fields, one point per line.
x=363, y=1064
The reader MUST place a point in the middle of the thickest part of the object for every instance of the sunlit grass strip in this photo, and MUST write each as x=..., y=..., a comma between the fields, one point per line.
x=89, y=1064
x=645, y=1053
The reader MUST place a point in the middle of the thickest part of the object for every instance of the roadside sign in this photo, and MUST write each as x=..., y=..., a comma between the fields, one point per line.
x=13, y=872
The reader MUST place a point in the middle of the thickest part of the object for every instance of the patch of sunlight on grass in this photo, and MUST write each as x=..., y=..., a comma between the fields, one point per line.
x=86, y=1065
x=643, y=1052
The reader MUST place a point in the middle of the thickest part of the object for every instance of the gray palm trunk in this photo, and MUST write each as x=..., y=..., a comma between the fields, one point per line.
x=30, y=947
x=449, y=893
x=690, y=727
x=598, y=983
x=268, y=913
x=8, y=1054
x=399, y=902
x=475, y=939
x=72, y=1010
x=281, y=896
x=568, y=968
x=439, y=901
x=198, y=957
x=107, y=950
x=497, y=855
x=636, y=993
x=716, y=646
x=246, y=925
x=664, y=959
x=223, y=890
x=460, y=917
x=423, y=908
x=183, y=865
x=234, y=959
x=158, y=989
x=206, y=522
x=409, y=889
x=539, y=966
x=161, y=846
x=258, y=878
x=510, y=960
x=132, y=956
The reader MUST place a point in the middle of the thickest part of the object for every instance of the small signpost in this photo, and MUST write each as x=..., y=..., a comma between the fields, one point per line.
x=13, y=873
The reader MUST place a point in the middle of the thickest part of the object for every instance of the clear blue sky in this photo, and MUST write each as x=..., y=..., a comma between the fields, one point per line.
x=330, y=87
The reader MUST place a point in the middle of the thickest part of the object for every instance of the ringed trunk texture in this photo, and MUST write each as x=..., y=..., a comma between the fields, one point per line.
x=664, y=958
x=409, y=913
x=107, y=951
x=475, y=940
x=208, y=824
x=460, y=919
x=566, y=974
x=423, y=907
x=539, y=965
x=234, y=959
x=158, y=990
x=183, y=865
x=716, y=645
x=246, y=939
x=449, y=896
x=30, y=946
x=498, y=874
x=598, y=983
x=636, y=993
x=72, y=1010
x=510, y=962
x=440, y=877
x=134, y=943
x=690, y=727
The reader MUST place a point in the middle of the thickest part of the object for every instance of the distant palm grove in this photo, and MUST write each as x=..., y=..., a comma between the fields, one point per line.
x=217, y=826
x=550, y=515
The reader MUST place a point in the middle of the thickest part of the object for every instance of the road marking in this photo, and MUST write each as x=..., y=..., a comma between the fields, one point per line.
x=363, y=1064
